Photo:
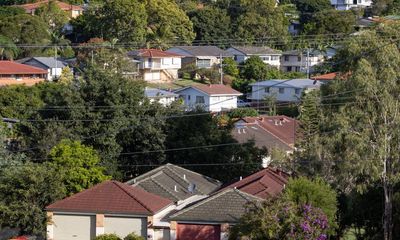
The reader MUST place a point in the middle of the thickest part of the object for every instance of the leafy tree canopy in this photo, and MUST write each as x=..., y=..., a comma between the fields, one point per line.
x=53, y=15
x=79, y=164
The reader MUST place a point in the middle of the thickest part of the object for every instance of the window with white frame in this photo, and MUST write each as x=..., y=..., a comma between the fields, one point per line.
x=281, y=90
x=274, y=58
x=267, y=89
x=203, y=63
x=200, y=100
x=265, y=58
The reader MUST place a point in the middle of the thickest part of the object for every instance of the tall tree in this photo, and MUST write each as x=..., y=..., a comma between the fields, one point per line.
x=167, y=23
x=211, y=25
x=53, y=15
x=364, y=142
x=79, y=165
x=8, y=50
x=25, y=190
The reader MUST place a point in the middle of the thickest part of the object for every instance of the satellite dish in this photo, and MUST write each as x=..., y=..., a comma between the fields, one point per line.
x=192, y=187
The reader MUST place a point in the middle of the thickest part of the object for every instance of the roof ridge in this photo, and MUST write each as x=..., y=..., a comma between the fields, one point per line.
x=145, y=175
x=176, y=174
x=134, y=197
x=196, y=173
x=245, y=195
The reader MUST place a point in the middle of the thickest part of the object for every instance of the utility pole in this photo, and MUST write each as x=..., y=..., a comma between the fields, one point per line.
x=55, y=58
x=308, y=63
x=221, y=69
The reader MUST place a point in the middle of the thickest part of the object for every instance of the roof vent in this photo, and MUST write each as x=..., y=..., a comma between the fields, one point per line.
x=175, y=188
x=184, y=176
x=276, y=122
x=240, y=178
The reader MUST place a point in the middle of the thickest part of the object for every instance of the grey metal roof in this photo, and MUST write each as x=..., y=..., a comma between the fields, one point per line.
x=50, y=62
x=204, y=51
x=226, y=206
x=260, y=136
x=292, y=83
x=158, y=93
x=173, y=182
x=254, y=50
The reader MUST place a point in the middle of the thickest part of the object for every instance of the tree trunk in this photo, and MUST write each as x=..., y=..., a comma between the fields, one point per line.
x=388, y=212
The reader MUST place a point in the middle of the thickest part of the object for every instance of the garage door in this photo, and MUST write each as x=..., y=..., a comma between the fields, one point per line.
x=151, y=76
x=74, y=227
x=122, y=226
x=198, y=232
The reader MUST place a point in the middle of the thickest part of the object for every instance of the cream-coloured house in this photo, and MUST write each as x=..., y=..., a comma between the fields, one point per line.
x=109, y=207
x=157, y=65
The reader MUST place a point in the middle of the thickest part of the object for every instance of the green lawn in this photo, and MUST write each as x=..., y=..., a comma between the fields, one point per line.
x=174, y=85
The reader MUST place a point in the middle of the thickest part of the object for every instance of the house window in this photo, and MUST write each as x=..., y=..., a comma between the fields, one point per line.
x=281, y=90
x=289, y=69
x=266, y=89
x=200, y=100
x=297, y=91
x=274, y=58
x=286, y=58
x=203, y=63
x=174, y=61
x=188, y=97
x=265, y=58
x=297, y=69
x=299, y=58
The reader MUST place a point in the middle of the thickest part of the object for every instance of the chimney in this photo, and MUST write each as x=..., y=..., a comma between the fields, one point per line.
x=240, y=178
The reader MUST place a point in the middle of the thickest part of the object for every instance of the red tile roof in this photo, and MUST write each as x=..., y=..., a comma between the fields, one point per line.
x=153, y=53
x=266, y=183
x=64, y=6
x=112, y=197
x=328, y=76
x=10, y=67
x=24, y=81
x=282, y=127
x=217, y=89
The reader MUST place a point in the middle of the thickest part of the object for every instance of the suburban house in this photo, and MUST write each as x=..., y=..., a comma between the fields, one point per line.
x=176, y=183
x=268, y=55
x=109, y=207
x=12, y=73
x=212, y=97
x=161, y=96
x=349, y=4
x=72, y=10
x=52, y=65
x=201, y=56
x=157, y=65
x=289, y=90
x=301, y=61
x=210, y=218
x=266, y=183
x=271, y=132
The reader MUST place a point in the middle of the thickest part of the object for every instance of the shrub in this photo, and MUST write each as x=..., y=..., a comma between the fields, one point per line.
x=188, y=71
x=133, y=236
x=110, y=236
x=243, y=112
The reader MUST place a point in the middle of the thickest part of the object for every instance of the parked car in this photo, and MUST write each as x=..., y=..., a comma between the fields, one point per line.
x=242, y=103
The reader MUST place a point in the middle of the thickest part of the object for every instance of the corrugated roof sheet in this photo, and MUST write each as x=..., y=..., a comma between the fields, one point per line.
x=195, y=51
x=112, y=197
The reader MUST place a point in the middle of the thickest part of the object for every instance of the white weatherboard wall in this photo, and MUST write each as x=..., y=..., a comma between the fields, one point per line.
x=289, y=94
x=122, y=226
x=266, y=58
x=213, y=103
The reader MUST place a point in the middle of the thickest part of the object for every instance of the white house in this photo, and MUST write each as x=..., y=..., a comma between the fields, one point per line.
x=213, y=97
x=162, y=96
x=268, y=55
x=301, y=61
x=289, y=90
x=53, y=66
x=201, y=56
x=156, y=65
x=349, y=4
